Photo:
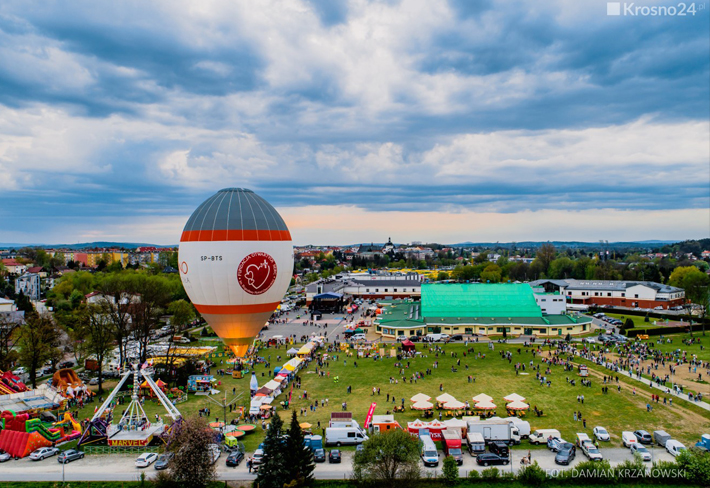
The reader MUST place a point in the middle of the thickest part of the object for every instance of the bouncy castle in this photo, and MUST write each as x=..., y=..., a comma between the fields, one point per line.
x=21, y=435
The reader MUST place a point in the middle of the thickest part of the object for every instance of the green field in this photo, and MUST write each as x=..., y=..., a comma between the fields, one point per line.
x=494, y=376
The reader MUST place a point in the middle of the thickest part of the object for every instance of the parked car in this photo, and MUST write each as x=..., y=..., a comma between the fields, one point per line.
x=642, y=451
x=43, y=452
x=555, y=443
x=215, y=452
x=500, y=448
x=628, y=438
x=69, y=455
x=455, y=337
x=258, y=457
x=146, y=459
x=19, y=371
x=66, y=364
x=358, y=337
x=4, y=456
x=643, y=437
x=490, y=459
x=334, y=456
x=591, y=451
x=566, y=453
x=94, y=380
x=163, y=461
x=674, y=447
x=319, y=455
x=601, y=434
x=234, y=458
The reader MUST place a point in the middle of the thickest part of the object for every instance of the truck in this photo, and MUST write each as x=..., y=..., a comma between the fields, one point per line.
x=704, y=442
x=344, y=436
x=661, y=437
x=540, y=436
x=451, y=441
x=313, y=442
x=523, y=426
x=495, y=430
x=476, y=443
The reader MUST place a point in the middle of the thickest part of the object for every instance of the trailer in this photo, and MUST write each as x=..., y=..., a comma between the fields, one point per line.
x=495, y=430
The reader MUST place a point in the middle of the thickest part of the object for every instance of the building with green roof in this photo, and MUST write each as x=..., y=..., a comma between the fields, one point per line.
x=476, y=308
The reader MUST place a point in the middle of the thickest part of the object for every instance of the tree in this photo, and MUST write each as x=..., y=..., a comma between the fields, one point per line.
x=37, y=344
x=491, y=274
x=695, y=283
x=8, y=337
x=298, y=457
x=442, y=276
x=182, y=313
x=115, y=303
x=450, y=471
x=273, y=471
x=190, y=441
x=152, y=297
x=99, y=336
x=387, y=459
x=545, y=255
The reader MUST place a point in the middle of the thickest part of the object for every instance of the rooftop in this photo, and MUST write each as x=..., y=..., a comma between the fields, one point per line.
x=479, y=300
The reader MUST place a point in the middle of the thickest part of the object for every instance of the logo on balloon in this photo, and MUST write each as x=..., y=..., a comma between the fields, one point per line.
x=256, y=273
x=183, y=267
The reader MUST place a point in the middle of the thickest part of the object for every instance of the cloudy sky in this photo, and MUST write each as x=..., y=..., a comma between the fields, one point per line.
x=423, y=120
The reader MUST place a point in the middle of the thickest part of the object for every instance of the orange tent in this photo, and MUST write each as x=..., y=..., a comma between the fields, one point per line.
x=160, y=383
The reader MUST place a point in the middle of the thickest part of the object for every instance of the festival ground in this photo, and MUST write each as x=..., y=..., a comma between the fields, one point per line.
x=617, y=411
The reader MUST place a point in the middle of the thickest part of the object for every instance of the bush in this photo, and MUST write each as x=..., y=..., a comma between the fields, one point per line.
x=696, y=464
x=490, y=474
x=532, y=475
x=599, y=472
x=450, y=471
x=474, y=475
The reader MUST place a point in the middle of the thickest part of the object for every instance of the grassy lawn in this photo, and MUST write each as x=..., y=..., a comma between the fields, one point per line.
x=639, y=322
x=676, y=342
x=494, y=376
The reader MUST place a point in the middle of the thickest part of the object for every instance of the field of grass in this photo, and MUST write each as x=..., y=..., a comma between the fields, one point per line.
x=639, y=322
x=494, y=376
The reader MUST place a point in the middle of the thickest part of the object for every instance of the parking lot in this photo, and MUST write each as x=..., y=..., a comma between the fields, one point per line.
x=93, y=468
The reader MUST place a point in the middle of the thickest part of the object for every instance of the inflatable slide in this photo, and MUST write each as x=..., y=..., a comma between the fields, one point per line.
x=20, y=444
x=9, y=383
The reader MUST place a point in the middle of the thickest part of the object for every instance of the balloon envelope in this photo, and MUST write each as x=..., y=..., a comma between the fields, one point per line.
x=236, y=260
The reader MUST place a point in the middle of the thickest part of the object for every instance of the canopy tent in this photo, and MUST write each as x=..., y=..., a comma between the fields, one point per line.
x=422, y=405
x=420, y=397
x=482, y=398
x=444, y=398
x=514, y=397
x=305, y=425
x=435, y=424
x=485, y=405
x=416, y=425
x=517, y=405
x=292, y=352
x=408, y=346
x=272, y=385
x=455, y=423
x=454, y=405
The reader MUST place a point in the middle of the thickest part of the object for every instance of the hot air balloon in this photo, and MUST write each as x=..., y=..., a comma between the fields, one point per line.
x=236, y=261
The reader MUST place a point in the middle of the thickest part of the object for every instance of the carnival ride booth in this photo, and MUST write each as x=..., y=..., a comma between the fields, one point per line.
x=200, y=384
x=134, y=428
x=66, y=382
x=146, y=389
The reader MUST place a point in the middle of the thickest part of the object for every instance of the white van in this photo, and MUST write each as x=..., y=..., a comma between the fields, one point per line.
x=674, y=447
x=429, y=454
x=344, y=435
x=628, y=438
x=540, y=436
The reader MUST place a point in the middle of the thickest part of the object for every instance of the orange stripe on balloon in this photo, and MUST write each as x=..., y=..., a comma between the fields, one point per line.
x=236, y=309
x=235, y=235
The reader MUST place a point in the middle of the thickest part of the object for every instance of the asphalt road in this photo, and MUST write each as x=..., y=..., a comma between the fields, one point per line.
x=121, y=467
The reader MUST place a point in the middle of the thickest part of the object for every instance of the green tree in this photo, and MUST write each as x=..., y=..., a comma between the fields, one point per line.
x=298, y=457
x=8, y=336
x=450, y=471
x=492, y=273
x=561, y=268
x=190, y=441
x=545, y=254
x=273, y=471
x=442, y=276
x=695, y=283
x=37, y=344
x=387, y=459
x=98, y=334
x=182, y=312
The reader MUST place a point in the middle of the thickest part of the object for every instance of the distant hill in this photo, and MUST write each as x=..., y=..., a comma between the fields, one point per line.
x=564, y=244
x=86, y=245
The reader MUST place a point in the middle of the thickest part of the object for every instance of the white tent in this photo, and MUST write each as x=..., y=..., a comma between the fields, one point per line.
x=422, y=405
x=420, y=397
x=445, y=398
x=514, y=397
x=292, y=352
x=482, y=398
x=454, y=405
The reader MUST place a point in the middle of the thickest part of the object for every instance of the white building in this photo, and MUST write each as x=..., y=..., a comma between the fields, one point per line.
x=29, y=285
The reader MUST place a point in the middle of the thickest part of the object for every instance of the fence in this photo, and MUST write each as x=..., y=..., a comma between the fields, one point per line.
x=127, y=450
